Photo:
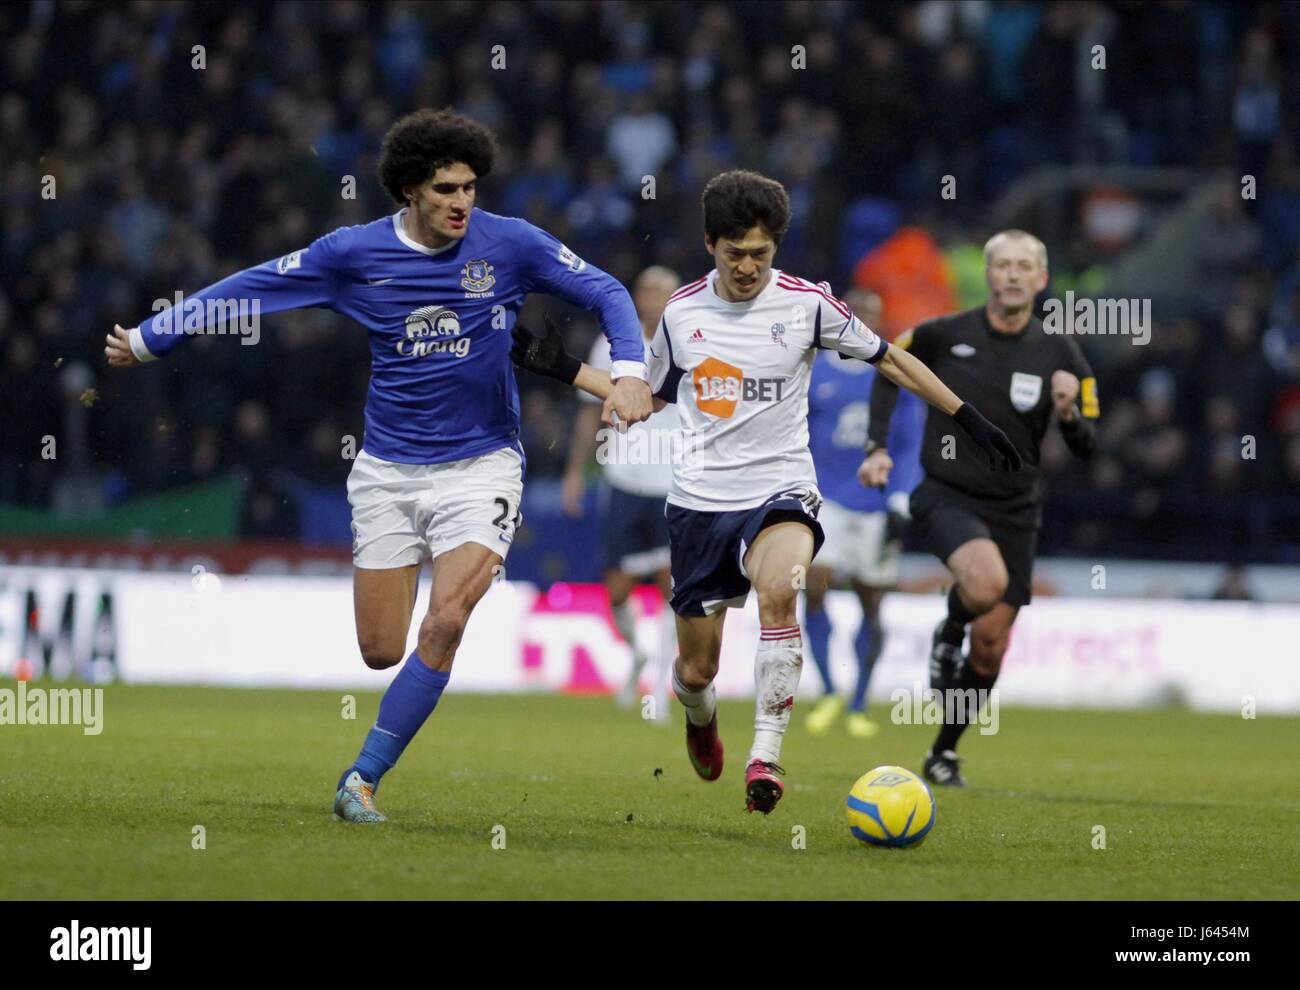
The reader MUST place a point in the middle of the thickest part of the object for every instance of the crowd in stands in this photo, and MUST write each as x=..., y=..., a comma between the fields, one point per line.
x=152, y=147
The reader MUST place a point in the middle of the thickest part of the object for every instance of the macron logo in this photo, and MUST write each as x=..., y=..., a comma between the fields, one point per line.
x=77, y=944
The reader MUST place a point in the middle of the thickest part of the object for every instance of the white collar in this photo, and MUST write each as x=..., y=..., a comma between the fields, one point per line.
x=400, y=230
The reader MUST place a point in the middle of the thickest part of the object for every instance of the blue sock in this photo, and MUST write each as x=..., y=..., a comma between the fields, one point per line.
x=866, y=645
x=407, y=703
x=818, y=624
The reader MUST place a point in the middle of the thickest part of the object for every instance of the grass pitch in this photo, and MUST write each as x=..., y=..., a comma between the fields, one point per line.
x=1193, y=806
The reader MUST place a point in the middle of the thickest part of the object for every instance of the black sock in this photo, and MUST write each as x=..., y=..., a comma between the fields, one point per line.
x=954, y=624
x=951, y=731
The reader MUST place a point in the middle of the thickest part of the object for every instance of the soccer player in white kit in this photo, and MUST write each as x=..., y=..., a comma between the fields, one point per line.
x=734, y=350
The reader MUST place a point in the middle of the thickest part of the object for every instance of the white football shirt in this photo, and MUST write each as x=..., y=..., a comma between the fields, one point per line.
x=739, y=374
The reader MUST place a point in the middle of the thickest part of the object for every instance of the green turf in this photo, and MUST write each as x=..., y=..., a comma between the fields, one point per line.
x=1194, y=806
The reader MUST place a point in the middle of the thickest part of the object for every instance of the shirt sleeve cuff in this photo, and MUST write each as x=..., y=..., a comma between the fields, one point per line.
x=628, y=369
x=142, y=353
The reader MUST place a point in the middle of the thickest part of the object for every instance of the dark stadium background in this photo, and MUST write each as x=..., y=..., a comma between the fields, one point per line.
x=170, y=177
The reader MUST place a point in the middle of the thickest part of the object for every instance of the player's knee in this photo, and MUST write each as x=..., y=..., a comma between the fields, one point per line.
x=696, y=671
x=378, y=655
x=776, y=600
x=983, y=591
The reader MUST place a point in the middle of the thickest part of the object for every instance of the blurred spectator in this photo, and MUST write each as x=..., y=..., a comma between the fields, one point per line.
x=1257, y=113
x=1156, y=452
x=909, y=274
x=1241, y=372
x=1282, y=339
x=640, y=141
x=599, y=210
x=1228, y=250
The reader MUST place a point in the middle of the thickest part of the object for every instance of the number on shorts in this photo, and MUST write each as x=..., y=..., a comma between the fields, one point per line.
x=500, y=521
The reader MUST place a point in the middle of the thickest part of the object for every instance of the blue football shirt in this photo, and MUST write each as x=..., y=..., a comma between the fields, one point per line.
x=442, y=386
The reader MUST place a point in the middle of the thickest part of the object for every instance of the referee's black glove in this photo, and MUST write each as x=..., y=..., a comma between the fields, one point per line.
x=544, y=355
x=1002, y=452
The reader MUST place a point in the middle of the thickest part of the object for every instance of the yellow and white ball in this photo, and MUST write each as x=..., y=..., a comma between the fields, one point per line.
x=891, y=806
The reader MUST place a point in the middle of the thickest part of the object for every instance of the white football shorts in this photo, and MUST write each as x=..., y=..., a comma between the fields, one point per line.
x=855, y=546
x=406, y=514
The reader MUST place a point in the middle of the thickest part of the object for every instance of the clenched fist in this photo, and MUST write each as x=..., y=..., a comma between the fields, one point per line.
x=1065, y=389
x=630, y=402
x=874, y=471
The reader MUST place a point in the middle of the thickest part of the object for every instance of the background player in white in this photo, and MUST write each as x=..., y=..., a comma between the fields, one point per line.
x=863, y=525
x=638, y=475
x=440, y=475
x=734, y=350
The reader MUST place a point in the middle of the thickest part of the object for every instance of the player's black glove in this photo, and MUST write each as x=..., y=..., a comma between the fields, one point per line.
x=1002, y=452
x=544, y=355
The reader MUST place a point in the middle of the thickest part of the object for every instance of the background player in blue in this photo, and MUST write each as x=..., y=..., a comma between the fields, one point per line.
x=863, y=534
x=438, y=285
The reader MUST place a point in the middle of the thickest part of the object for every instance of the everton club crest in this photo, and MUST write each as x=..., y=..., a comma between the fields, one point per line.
x=477, y=279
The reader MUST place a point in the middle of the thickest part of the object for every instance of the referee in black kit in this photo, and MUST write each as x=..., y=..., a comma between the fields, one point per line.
x=981, y=522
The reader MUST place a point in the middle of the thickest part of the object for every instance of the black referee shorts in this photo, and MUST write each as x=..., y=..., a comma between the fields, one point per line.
x=944, y=519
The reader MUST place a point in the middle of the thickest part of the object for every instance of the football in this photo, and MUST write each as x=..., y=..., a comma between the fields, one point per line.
x=891, y=806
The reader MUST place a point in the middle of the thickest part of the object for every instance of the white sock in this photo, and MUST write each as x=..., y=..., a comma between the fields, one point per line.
x=699, y=704
x=776, y=675
x=625, y=623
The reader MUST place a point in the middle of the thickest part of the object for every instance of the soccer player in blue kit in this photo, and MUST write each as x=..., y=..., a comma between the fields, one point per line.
x=862, y=524
x=438, y=286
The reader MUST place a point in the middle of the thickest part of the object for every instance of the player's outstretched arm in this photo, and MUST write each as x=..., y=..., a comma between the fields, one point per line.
x=235, y=305
x=547, y=356
x=906, y=371
x=560, y=272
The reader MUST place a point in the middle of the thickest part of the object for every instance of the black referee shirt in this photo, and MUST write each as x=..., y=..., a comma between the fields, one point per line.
x=1008, y=378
